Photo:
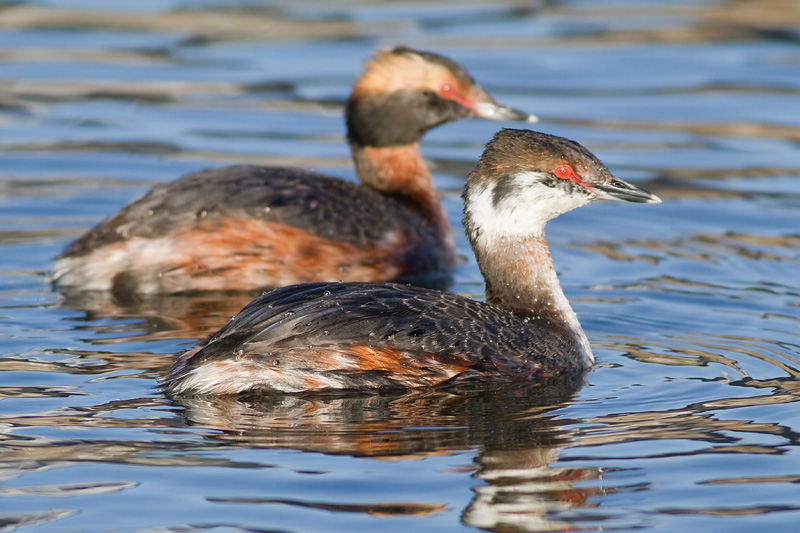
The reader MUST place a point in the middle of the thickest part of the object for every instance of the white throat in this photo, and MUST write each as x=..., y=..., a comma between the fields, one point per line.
x=506, y=221
x=520, y=205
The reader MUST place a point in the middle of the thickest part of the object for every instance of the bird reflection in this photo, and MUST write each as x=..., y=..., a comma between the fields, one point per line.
x=513, y=429
x=174, y=316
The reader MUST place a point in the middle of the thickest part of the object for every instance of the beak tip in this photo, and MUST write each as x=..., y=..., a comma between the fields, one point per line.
x=493, y=111
x=625, y=192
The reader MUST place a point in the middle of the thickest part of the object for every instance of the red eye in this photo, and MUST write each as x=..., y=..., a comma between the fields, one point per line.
x=564, y=172
x=450, y=92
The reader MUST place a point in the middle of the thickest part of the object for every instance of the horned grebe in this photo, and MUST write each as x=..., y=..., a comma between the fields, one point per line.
x=322, y=336
x=249, y=227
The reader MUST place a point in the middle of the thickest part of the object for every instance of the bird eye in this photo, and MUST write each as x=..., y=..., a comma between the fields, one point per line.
x=450, y=92
x=564, y=172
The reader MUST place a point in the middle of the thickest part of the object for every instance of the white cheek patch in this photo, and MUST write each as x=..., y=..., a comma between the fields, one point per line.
x=523, y=208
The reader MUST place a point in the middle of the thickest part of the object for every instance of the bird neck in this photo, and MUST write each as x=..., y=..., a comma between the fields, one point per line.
x=520, y=278
x=399, y=172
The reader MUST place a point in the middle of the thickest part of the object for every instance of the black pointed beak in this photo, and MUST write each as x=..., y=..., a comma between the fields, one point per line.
x=616, y=189
x=495, y=111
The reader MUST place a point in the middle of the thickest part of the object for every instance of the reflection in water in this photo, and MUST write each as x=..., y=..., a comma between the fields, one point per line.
x=723, y=129
x=410, y=424
x=703, y=247
x=731, y=351
x=513, y=429
x=252, y=23
x=523, y=483
x=70, y=489
x=152, y=317
x=514, y=432
x=12, y=521
x=728, y=20
x=694, y=427
x=374, y=509
x=698, y=421
x=521, y=488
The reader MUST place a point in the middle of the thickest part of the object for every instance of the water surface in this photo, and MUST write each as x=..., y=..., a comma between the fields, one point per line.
x=687, y=423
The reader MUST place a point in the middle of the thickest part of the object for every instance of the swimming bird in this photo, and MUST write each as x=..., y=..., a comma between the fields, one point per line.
x=360, y=336
x=253, y=227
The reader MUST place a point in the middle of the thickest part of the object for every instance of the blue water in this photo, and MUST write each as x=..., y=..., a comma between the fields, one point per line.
x=687, y=422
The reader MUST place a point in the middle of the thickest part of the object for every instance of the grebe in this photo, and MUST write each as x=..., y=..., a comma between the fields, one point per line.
x=324, y=336
x=250, y=227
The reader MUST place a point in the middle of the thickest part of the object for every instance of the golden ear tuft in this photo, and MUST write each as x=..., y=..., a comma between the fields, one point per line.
x=387, y=72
